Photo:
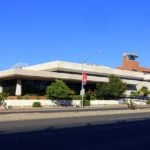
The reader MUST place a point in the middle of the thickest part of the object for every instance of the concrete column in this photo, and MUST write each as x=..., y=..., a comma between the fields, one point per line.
x=18, y=88
x=1, y=88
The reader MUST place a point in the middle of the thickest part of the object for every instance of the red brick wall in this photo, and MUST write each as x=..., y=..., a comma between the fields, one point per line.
x=132, y=65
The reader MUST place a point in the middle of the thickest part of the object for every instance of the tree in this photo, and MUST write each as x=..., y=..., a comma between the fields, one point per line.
x=102, y=91
x=3, y=96
x=58, y=90
x=134, y=94
x=114, y=89
x=144, y=92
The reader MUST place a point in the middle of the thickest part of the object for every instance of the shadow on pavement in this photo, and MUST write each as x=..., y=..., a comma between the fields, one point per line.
x=121, y=135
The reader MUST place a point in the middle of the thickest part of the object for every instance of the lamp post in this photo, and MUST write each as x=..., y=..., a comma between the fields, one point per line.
x=82, y=81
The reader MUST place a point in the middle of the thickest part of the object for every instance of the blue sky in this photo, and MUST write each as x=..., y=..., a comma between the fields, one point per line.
x=36, y=31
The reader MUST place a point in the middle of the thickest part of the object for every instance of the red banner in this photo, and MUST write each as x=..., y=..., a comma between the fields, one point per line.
x=84, y=78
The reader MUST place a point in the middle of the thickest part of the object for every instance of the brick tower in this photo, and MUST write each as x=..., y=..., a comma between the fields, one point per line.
x=130, y=63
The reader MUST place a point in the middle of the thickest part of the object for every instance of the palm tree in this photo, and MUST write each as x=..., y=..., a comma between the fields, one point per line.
x=144, y=91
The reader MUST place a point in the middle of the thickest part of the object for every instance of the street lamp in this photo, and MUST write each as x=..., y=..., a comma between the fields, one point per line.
x=82, y=81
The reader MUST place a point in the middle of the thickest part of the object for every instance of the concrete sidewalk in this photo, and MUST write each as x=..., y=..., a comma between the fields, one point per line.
x=57, y=115
x=62, y=109
x=68, y=109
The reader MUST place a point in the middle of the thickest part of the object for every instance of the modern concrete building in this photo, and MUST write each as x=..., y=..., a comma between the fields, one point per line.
x=34, y=79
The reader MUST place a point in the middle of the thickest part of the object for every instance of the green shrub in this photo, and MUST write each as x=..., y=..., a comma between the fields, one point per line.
x=37, y=97
x=148, y=102
x=3, y=96
x=92, y=97
x=132, y=105
x=58, y=90
x=31, y=94
x=89, y=95
x=86, y=102
x=26, y=97
x=19, y=97
x=75, y=97
x=36, y=104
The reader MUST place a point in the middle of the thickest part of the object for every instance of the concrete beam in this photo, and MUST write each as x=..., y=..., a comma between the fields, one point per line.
x=1, y=88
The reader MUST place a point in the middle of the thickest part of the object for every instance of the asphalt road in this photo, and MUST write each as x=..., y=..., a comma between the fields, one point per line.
x=113, y=132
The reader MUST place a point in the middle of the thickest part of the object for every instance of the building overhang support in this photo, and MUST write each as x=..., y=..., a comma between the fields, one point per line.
x=18, y=88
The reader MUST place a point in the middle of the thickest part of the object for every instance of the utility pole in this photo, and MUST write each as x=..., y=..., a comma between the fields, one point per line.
x=82, y=81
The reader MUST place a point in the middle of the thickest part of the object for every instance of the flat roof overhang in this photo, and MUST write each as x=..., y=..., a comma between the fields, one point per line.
x=147, y=77
x=95, y=70
x=45, y=75
x=16, y=73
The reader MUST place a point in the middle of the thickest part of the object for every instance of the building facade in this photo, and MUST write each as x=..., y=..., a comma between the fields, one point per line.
x=35, y=79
